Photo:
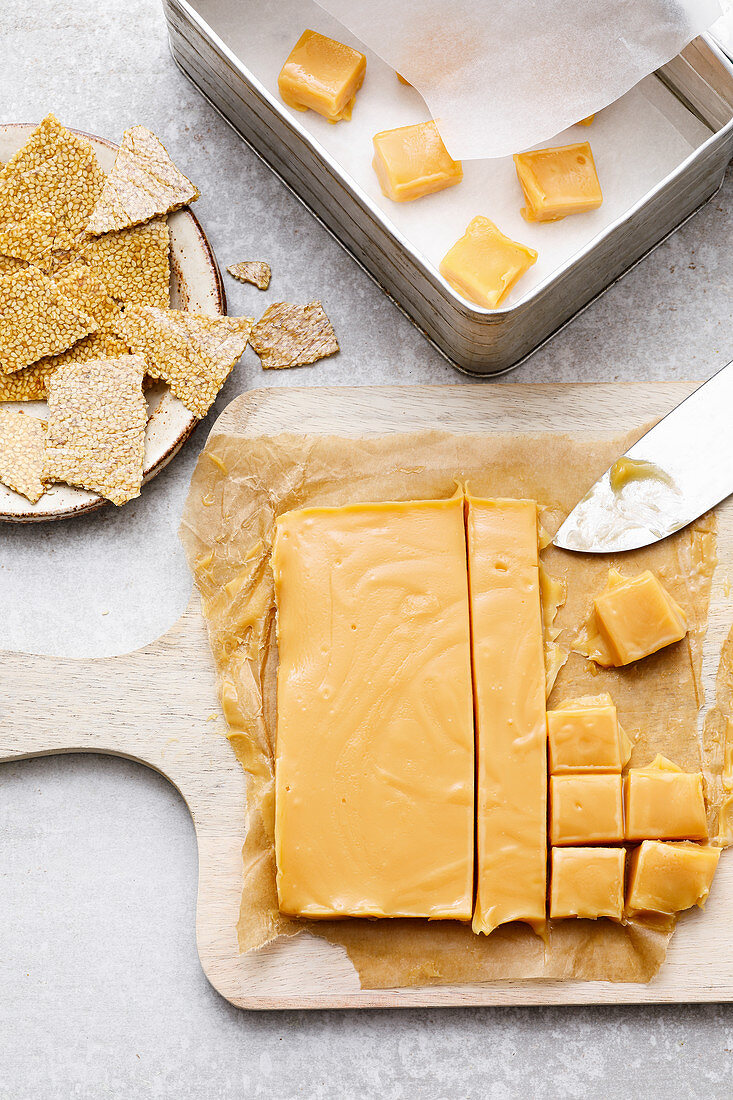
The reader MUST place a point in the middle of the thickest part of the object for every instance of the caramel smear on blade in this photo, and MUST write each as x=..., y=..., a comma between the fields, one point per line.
x=194, y=354
x=22, y=441
x=36, y=319
x=96, y=426
x=144, y=182
x=293, y=336
x=256, y=272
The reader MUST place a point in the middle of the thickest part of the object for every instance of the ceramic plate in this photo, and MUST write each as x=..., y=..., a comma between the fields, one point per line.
x=196, y=285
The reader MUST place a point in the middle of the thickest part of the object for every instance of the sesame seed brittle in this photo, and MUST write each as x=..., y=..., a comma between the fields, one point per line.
x=133, y=263
x=194, y=354
x=22, y=440
x=293, y=336
x=144, y=182
x=56, y=173
x=256, y=272
x=97, y=415
x=36, y=319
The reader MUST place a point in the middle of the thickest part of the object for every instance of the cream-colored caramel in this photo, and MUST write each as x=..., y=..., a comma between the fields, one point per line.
x=558, y=181
x=509, y=689
x=412, y=161
x=587, y=882
x=586, y=809
x=662, y=802
x=374, y=758
x=667, y=878
x=584, y=736
x=632, y=618
x=626, y=469
x=322, y=75
x=485, y=264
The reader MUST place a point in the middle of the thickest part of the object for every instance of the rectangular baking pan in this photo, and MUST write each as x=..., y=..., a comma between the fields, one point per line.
x=475, y=340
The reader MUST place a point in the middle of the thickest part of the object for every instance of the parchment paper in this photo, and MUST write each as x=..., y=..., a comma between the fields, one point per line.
x=637, y=141
x=238, y=489
x=499, y=76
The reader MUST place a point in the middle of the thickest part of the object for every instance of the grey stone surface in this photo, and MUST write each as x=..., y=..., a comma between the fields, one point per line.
x=101, y=993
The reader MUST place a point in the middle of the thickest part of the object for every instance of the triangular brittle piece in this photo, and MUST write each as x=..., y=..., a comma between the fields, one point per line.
x=9, y=265
x=143, y=183
x=22, y=440
x=55, y=172
x=256, y=272
x=36, y=319
x=192, y=353
x=134, y=263
x=97, y=415
x=293, y=336
x=81, y=285
x=29, y=384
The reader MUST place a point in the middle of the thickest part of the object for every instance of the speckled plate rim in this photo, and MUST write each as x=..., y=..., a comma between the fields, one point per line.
x=196, y=279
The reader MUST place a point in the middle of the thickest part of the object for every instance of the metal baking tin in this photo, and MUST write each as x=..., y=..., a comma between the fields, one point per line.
x=475, y=340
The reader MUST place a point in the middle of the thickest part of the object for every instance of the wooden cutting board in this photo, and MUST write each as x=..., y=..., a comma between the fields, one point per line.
x=159, y=706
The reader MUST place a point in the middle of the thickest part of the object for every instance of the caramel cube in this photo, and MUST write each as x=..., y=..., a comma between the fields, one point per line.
x=587, y=120
x=637, y=616
x=667, y=878
x=412, y=161
x=557, y=182
x=484, y=265
x=322, y=75
x=586, y=809
x=587, y=882
x=584, y=736
x=665, y=803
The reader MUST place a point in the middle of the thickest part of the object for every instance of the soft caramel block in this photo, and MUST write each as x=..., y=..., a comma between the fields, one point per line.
x=509, y=689
x=587, y=882
x=374, y=768
x=663, y=802
x=322, y=75
x=557, y=182
x=637, y=616
x=584, y=736
x=667, y=878
x=484, y=264
x=586, y=809
x=412, y=161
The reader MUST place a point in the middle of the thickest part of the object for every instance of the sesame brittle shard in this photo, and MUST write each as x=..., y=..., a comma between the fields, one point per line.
x=293, y=336
x=193, y=353
x=144, y=182
x=29, y=384
x=55, y=173
x=82, y=287
x=22, y=440
x=96, y=426
x=133, y=263
x=256, y=272
x=36, y=319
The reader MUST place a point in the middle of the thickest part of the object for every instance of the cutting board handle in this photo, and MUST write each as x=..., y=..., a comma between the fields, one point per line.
x=157, y=705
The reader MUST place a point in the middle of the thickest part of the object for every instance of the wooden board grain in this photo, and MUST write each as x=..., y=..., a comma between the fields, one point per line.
x=158, y=705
